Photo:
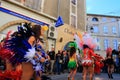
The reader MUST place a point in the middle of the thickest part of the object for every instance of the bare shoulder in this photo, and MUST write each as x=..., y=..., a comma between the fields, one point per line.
x=31, y=40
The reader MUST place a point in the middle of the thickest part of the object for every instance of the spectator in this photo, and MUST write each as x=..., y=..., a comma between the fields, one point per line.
x=119, y=54
x=52, y=59
x=116, y=59
x=65, y=60
x=59, y=61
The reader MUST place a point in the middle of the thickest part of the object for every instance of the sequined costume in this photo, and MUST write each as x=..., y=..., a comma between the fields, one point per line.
x=72, y=64
x=88, y=56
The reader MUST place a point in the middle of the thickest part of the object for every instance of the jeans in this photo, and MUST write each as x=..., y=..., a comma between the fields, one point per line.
x=58, y=67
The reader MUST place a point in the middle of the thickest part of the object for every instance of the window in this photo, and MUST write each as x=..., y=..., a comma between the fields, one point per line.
x=98, y=46
x=113, y=19
x=106, y=44
x=73, y=9
x=115, y=46
x=105, y=29
x=34, y=4
x=95, y=29
x=114, y=30
x=104, y=19
x=95, y=19
x=73, y=20
x=74, y=2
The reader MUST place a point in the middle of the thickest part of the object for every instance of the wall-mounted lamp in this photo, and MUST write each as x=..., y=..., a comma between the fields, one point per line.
x=91, y=29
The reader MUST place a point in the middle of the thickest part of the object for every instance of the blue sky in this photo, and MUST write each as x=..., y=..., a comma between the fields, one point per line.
x=105, y=7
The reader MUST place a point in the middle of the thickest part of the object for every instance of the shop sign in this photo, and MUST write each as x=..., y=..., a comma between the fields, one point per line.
x=66, y=30
x=22, y=16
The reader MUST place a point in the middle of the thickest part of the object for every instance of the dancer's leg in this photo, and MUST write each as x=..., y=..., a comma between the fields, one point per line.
x=70, y=74
x=108, y=71
x=91, y=71
x=111, y=71
x=84, y=72
x=27, y=70
x=38, y=76
x=74, y=73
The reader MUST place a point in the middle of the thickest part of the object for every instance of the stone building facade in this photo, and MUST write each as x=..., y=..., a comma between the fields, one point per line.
x=43, y=12
x=106, y=29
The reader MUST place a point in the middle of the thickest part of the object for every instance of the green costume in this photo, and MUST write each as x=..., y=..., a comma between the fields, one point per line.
x=72, y=64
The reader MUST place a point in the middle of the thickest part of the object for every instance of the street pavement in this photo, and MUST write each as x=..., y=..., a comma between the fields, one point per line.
x=102, y=76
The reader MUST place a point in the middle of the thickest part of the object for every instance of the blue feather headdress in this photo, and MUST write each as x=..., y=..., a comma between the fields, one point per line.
x=18, y=43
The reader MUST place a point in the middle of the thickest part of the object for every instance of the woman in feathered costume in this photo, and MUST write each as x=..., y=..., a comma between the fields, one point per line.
x=27, y=67
x=88, y=44
x=72, y=64
x=19, y=49
x=110, y=62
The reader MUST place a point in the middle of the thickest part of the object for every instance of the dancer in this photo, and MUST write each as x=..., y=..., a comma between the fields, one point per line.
x=34, y=40
x=39, y=61
x=27, y=66
x=109, y=62
x=12, y=71
x=72, y=64
x=19, y=48
x=88, y=62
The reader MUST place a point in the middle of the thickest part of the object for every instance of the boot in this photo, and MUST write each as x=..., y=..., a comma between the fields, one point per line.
x=68, y=78
x=109, y=75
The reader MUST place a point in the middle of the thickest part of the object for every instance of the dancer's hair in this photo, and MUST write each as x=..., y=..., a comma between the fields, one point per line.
x=85, y=46
x=36, y=30
x=72, y=51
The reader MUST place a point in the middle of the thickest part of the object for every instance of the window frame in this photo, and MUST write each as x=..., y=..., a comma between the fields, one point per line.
x=73, y=21
x=95, y=29
x=73, y=2
x=115, y=44
x=98, y=46
x=105, y=29
x=114, y=30
x=95, y=19
x=106, y=44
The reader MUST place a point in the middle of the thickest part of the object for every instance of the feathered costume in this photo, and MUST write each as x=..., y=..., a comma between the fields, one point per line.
x=16, y=49
x=17, y=45
x=37, y=65
x=98, y=66
x=72, y=64
x=109, y=55
x=86, y=39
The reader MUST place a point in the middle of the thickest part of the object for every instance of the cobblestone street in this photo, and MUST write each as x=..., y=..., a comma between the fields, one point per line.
x=102, y=76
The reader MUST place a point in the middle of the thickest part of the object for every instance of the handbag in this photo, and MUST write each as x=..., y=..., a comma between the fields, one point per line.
x=60, y=61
